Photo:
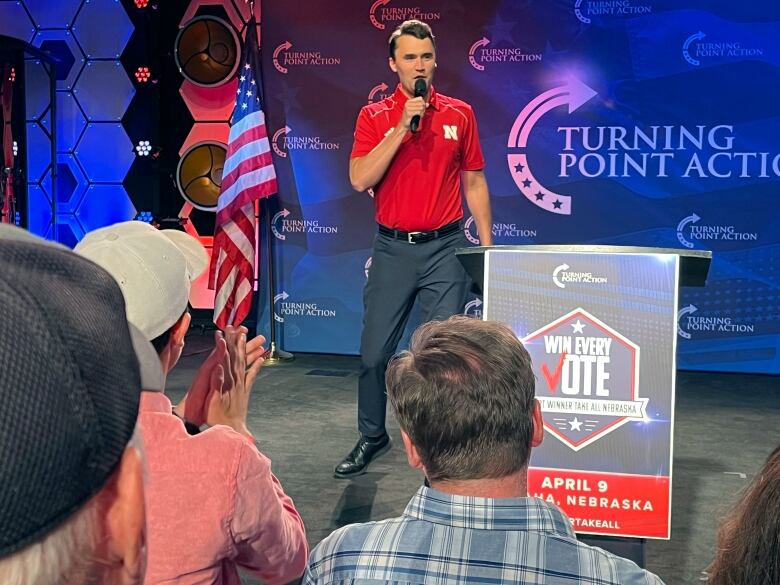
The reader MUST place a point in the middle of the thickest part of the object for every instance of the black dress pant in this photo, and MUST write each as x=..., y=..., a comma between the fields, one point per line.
x=401, y=273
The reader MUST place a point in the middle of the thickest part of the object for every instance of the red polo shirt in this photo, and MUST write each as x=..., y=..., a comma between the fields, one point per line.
x=421, y=189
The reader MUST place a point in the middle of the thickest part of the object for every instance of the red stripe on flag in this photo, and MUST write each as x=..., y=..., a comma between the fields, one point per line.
x=249, y=135
x=252, y=178
x=247, y=165
x=246, y=197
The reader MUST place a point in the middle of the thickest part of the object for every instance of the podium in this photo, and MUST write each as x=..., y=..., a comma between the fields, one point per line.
x=600, y=324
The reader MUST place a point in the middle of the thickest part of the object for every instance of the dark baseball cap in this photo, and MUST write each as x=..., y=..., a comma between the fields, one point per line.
x=70, y=384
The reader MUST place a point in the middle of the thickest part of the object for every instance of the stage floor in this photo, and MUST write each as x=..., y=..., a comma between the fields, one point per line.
x=303, y=415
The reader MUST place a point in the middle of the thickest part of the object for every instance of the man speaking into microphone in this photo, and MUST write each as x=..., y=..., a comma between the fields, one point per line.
x=415, y=149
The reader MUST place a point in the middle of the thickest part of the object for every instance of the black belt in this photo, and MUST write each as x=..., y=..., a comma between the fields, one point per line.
x=419, y=237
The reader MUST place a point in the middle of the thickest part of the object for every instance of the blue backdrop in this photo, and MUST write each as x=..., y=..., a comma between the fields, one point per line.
x=636, y=122
x=641, y=122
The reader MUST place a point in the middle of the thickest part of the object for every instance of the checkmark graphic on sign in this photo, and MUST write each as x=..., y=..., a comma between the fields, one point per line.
x=553, y=379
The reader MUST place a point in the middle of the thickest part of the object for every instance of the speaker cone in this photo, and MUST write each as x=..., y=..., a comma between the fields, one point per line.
x=207, y=51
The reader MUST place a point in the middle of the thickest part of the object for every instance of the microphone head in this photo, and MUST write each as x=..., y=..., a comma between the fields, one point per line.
x=420, y=87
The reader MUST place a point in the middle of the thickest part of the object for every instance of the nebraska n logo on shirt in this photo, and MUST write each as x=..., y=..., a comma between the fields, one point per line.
x=450, y=132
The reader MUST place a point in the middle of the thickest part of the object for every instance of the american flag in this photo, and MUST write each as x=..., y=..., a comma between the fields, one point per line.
x=247, y=177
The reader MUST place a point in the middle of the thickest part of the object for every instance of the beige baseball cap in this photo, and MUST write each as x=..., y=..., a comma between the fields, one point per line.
x=154, y=268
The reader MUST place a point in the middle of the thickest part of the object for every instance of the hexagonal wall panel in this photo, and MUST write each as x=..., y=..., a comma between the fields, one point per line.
x=48, y=14
x=36, y=90
x=71, y=184
x=104, y=90
x=230, y=11
x=202, y=131
x=69, y=230
x=103, y=205
x=38, y=152
x=38, y=210
x=106, y=28
x=62, y=45
x=105, y=152
x=70, y=122
x=16, y=22
x=210, y=104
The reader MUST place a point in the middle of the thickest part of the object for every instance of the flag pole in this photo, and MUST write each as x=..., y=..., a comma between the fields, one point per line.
x=276, y=355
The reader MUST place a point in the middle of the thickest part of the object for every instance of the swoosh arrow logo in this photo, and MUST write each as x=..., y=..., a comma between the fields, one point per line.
x=573, y=95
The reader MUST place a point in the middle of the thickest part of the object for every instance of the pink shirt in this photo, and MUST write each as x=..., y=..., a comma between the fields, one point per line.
x=212, y=503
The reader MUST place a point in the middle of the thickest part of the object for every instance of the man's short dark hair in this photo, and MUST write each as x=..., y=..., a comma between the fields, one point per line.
x=464, y=393
x=416, y=28
x=162, y=340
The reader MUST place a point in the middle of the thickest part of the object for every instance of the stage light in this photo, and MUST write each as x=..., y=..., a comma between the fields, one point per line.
x=145, y=216
x=12, y=75
x=143, y=148
x=141, y=3
x=142, y=74
x=16, y=148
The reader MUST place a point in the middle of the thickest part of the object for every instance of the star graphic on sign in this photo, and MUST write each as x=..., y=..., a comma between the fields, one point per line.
x=557, y=204
x=575, y=424
x=526, y=183
x=501, y=30
x=539, y=196
x=578, y=326
x=288, y=96
x=519, y=168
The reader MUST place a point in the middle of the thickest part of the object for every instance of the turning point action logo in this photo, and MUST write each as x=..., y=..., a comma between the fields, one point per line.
x=572, y=95
x=282, y=224
x=584, y=9
x=688, y=322
x=695, y=49
x=379, y=92
x=381, y=14
x=479, y=54
x=700, y=151
x=282, y=142
x=473, y=309
x=500, y=231
x=284, y=308
x=283, y=58
x=563, y=275
x=587, y=378
x=690, y=229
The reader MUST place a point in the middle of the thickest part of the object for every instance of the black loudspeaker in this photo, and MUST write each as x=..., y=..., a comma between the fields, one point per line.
x=208, y=51
x=199, y=174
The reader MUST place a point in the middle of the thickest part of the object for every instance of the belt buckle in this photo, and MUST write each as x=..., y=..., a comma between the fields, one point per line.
x=409, y=236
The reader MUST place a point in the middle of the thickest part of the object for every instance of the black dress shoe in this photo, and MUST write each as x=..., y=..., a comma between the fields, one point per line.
x=358, y=459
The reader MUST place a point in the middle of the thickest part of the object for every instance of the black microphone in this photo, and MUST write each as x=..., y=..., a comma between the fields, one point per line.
x=420, y=89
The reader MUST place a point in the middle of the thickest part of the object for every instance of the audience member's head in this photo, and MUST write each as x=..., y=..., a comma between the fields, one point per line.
x=748, y=547
x=155, y=270
x=464, y=397
x=71, y=494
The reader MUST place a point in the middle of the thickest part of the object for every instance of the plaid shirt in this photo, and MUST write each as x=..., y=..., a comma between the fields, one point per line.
x=443, y=539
